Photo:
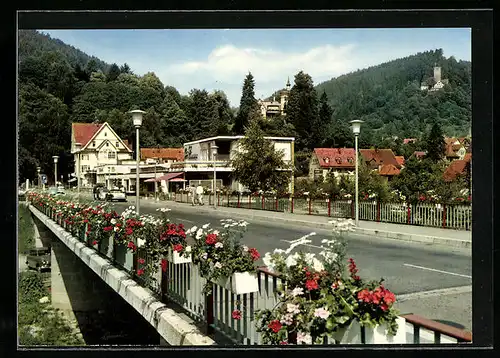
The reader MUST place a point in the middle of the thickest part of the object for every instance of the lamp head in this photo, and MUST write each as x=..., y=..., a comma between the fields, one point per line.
x=137, y=117
x=56, y=158
x=356, y=126
x=214, y=149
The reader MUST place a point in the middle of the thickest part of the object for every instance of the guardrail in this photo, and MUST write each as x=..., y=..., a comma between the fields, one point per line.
x=183, y=284
x=449, y=216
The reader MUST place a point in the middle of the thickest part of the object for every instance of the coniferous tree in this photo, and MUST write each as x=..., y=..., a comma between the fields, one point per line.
x=113, y=73
x=302, y=111
x=324, y=117
x=248, y=105
x=125, y=68
x=435, y=144
x=255, y=165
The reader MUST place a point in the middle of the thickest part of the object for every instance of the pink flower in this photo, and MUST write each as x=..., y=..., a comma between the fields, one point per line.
x=236, y=314
x=321, y=313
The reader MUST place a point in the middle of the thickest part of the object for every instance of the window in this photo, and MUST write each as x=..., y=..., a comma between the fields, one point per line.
x=85, y=168
x=93, y=144
x=113, y=169
x=107, y=144
x=117, y=144
x=109, y=169
x=105, y=134
x=111, y=155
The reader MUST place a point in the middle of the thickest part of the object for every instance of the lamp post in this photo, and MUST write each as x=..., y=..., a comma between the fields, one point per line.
x=356, y=127
x=78, y=149
x=137, y=120
x=38, y=169
x=56, y=158
x=156, y=187
x=214, y=154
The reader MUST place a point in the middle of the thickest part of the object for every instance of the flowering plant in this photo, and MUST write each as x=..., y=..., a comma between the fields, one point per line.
x=219, y=254
x=319, y=297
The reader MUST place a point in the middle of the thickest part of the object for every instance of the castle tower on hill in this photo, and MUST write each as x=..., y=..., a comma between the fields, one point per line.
x=437, y=73
x=276, y=106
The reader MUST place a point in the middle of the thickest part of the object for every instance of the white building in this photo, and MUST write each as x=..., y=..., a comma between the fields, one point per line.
x=96, y=145
x=198, y=167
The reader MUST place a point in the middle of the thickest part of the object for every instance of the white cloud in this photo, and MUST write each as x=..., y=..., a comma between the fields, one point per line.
x=228, y=65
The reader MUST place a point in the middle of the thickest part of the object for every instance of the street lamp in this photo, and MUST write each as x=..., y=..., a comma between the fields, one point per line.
x=137, y=120
x=214, y=154
x=156, y=187
x=56, y=158
x=38, y=169
x=78, y=149
x=356, y=127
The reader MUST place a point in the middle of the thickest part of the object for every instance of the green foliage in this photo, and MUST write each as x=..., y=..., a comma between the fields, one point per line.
x=302, y=112
x=255, y=166
x=248, y=105
x=435, y=144
x=417, y=177
x=113, y=72
x=26, y=230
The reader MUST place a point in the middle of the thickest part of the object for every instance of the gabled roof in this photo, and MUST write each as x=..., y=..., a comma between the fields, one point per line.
x=409, y=140
x=163, y=153
x=335, y=157
x=377, y=157
x=400, y=159
x=418, y=154
x=127, y=144
x=84, y=132
x=388, y=170
x=456, y=168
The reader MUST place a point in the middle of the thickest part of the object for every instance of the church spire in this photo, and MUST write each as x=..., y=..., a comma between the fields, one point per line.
x=288, y=83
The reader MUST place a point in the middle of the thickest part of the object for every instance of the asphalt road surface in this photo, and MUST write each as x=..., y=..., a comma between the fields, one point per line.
x=436, y=279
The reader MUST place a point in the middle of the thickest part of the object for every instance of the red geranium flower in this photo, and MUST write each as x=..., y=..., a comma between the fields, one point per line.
x=389, y=297
x=141, y=261
x=236, y=314
x=211, y=239
x=365, y=296
x=178, y=247
x=108, y=228
x=312, y=285
x=128, y=231
x=94, y=242
x=131, y=245
x=140, y=272
x=283, y=343
x=255, y=254
x=384, y=307
x=164, y=265
x=275, y=326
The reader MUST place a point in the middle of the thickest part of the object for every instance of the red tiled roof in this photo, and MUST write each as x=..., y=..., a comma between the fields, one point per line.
x=388, y=170
x=163, y=153
x=419, y=154
x=409, y=140
x=467, y=157
x=451, y=148
x=377, y=157
x=83, y=132
x=400, y=159
x=456, y=168
x=335, y=157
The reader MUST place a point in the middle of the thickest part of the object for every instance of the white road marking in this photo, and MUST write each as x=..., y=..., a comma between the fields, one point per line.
x=431, y=269
x=431, y=293
x=318, y=247
x=186, y=220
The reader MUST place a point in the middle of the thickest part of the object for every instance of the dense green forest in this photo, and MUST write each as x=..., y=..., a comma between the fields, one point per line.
x=59, y=84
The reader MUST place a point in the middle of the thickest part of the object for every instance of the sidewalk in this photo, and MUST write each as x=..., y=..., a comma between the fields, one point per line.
x=429, y=235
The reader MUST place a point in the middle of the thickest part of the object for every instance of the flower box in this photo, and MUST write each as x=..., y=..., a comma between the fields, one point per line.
x=352, y=334
x=176, y=258
x=105, y=246
x=123, y=256
x=240, y=283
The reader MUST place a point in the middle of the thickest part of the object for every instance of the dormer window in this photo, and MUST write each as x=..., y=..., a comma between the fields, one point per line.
x=117, y=144
x=327, y=160
x=105, y=134
x=93, y=144
x=107, y=144
x=350, y=160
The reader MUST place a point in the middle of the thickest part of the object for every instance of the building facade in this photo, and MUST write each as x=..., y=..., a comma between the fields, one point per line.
x=275, y=106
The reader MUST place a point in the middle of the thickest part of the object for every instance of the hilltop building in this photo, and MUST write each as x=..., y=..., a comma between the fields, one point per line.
x=439, y=82
x=274, y=107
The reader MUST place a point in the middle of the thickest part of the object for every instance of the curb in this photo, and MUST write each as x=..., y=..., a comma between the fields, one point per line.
x=426, y=239
x=169, y=324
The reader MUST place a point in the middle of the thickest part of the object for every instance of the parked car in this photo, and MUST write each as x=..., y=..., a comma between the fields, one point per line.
x=38, y=259
x=115, y=194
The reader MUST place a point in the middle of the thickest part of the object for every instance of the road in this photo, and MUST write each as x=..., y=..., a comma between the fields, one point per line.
x=432, y=281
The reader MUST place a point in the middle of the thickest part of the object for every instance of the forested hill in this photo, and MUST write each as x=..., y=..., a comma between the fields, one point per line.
x=389, y=99
x=34, y=43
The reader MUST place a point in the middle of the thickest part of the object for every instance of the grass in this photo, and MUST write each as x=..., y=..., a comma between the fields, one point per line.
x=39, y=323
x=26, y=229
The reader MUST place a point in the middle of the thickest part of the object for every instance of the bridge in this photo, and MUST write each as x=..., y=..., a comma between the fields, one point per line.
x=87, y=277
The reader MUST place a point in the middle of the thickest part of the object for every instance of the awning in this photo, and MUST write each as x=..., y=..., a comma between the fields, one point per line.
x=72, y=180
x=164, y=177
x=177, y=179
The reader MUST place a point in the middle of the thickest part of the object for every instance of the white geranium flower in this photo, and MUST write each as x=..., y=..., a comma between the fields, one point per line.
x=199, y=234
x=116, y=228
x=216, y=232
x=205, y=226
x=219, y=245
x=278, y=251
x=140, y=242
x=218, y=265
x=291, y=261
x=297, y=291
x=188, y=249
x=268, y=260
x=304, y=338
x=245, y=248
x=317, y=265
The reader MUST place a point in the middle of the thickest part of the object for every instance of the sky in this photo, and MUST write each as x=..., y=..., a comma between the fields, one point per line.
x=219, y=59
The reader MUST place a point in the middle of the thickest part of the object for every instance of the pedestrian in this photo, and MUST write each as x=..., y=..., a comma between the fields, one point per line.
x=192, y=192
x=199, y=194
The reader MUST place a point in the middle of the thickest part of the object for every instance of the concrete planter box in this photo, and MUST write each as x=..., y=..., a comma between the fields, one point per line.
x=352, y=334
x=123, y=256
x=105, y=246
x=240, y=283
x=175, y=258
